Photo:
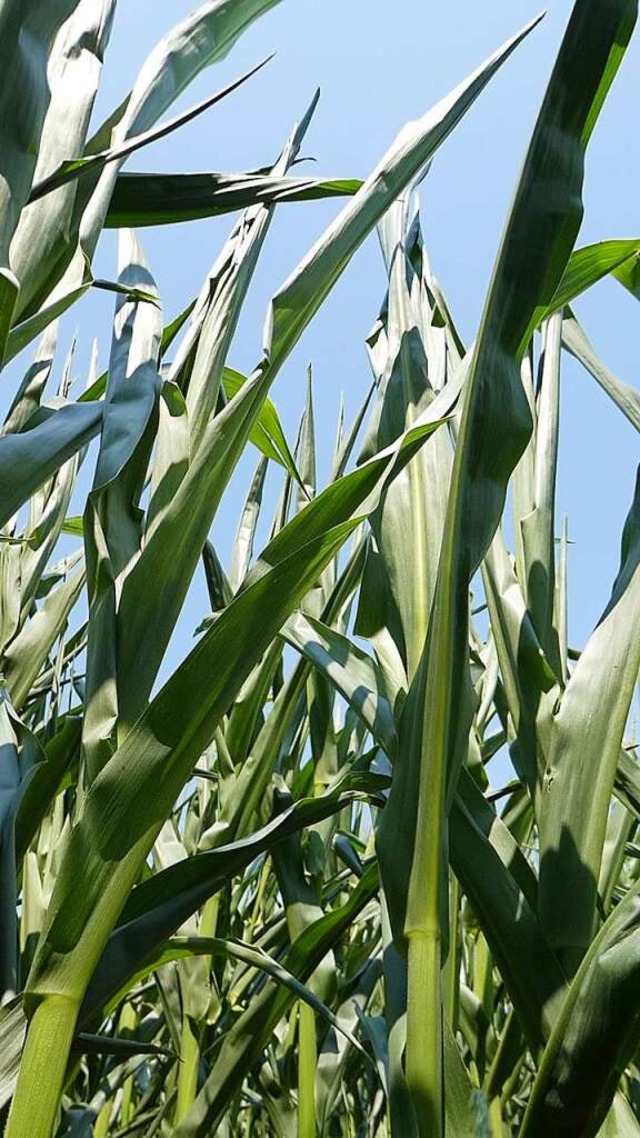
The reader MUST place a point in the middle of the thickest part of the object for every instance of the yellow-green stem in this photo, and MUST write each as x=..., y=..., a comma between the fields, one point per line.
x=495, y=1117
x=209, y=918
x=187, y=1088
x=103, y=1122
x=128, y=1021
x=263, y=881
x=424, y=1032
x=482, y=975
x=34, y=1109
x=307, y=1061
x=188, y=1068
x=452, y=968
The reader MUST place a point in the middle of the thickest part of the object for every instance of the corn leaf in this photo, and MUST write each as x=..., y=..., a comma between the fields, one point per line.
x=595, y=1035
x=163, y=199
x=533, y=256
x=583, y=758
x=52, y=436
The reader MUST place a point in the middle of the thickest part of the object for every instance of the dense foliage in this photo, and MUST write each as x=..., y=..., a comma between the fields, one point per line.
x=365, y=863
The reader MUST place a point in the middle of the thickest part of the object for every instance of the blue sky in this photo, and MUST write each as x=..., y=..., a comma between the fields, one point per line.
x=379, y=66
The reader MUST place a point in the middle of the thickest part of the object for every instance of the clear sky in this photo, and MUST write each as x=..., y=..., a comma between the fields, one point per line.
x=379, y=65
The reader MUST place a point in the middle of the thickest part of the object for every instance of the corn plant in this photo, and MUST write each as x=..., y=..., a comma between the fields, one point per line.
x=284, y=892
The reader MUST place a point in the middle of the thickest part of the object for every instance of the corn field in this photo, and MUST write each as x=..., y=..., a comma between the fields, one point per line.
x=366, y=864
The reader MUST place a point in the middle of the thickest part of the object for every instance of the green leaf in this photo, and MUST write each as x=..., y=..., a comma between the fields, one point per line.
x=204, y=37
x=73, y=526
x=28, y=652
x=13, y=1029
x=537, y=243
x=501, y=888
x=525, y=671
x=41, y=784
x=267, y=434
x=246, y=531
x=10, y=776
x=583, y=757
x=292, y=309
x=576, y=342
x=199, y=475
x=28, y=30
x=158, y=906
x=595, y=1036
x=29, y=395
x=163, y=199
x=167, y=740
x=628, y=273
x=302, y=294
x=52, y=436
x=88, y=1044
x=349, y=670
x=23, y=333
x=46, y=235
x=178, y=948
x=590, y=264
x=80, y=167
x=113, y=520
x=538, y=526
x=248, y=1035
x=627, y=783
x=407, y=357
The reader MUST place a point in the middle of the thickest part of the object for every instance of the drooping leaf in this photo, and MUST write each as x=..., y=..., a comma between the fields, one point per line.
x=28, y=458
x=163, y=199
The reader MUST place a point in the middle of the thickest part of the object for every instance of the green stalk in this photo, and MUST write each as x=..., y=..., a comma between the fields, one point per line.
x=128, y=1021
x=482, y=975
x=506, y=1057
x=424, y=1031
x=495, y=1118
x=209, y=918
x=192, y=1031
x=103, y=1121
x=187, y=1068
x=307, y=1062
x=96, y=875
x=537, y=243
x=34, y=1109
x=424, y=901
x=451, y=970
x=416, y=631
